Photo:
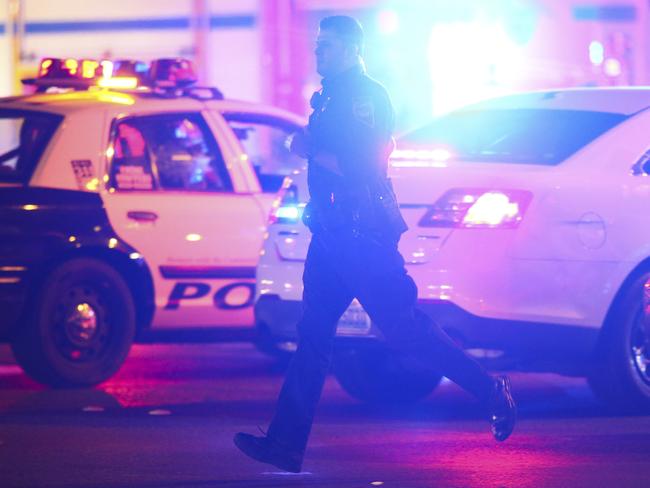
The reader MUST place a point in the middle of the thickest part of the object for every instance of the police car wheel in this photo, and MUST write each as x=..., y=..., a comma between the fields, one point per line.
x=621, y=376
x=378, y=376
x=81, y=327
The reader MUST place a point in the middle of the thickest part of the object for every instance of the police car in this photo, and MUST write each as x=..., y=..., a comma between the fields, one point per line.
x=529, y=241
x=132, y=202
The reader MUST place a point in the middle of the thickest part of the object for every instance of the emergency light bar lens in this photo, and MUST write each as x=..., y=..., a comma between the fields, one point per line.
x=172, y=72
x=89, y=68
x=107, y=68
x=46, y=64
x=120, y=82
x=71, y=65
x=421, y=158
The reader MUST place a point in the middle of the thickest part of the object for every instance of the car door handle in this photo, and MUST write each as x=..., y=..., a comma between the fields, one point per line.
x=142, y=215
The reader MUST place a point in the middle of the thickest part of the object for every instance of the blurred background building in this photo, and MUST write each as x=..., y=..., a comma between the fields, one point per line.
x=433, y=55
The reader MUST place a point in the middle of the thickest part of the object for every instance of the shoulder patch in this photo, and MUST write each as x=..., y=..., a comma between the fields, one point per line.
x=363, y=109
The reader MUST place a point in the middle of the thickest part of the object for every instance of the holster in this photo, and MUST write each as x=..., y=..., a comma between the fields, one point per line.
x=378, y=210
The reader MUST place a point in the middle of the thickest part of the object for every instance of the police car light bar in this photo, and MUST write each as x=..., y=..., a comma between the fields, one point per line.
x=172, y=73
x=168, y=77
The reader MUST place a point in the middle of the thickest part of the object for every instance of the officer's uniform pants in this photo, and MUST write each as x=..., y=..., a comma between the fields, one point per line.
x=340, y=267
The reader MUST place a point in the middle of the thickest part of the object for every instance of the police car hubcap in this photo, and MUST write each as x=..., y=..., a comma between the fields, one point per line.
x=81, y=326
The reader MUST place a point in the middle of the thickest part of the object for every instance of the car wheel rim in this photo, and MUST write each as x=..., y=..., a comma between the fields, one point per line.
x=81, y=325
x=640, y=338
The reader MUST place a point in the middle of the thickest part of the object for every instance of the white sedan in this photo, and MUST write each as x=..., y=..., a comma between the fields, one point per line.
x=529, y=240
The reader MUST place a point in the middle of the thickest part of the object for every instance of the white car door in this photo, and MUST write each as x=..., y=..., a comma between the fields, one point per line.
x=171, y=196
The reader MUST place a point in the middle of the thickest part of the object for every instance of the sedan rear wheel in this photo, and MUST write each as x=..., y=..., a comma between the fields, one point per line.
x=379, y=376
x=622, y=373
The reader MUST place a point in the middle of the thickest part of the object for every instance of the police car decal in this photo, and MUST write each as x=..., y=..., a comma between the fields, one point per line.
x=232, y=296
x=84, y=171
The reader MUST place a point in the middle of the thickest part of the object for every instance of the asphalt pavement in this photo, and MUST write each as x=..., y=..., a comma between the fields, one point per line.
x=168, y=417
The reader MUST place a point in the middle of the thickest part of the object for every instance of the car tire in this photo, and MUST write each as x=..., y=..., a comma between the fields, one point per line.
x=80, y=328
x=621, y=376
x=379, y=376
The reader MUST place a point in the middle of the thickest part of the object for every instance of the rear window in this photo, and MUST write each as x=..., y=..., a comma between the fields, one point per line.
x=545, y=137
x=23, y=138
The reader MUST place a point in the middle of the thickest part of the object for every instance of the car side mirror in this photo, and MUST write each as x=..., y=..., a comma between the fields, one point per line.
x=642, y=166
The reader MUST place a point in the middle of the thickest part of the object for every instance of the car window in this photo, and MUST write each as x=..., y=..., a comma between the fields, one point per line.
x=266, y=142
x=131, y=166
x=23, y=138
x=167, y=152
x=535, y=136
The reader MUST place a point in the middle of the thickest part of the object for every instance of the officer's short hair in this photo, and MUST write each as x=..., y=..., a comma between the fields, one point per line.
x=345, y=26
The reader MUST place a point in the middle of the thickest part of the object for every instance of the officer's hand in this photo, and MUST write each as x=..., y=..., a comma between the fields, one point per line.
x=299, y=144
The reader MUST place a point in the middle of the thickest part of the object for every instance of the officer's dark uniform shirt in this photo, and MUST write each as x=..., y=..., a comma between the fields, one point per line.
x=353, y=120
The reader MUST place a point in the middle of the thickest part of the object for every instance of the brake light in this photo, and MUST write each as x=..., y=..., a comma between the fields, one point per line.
x=286, y=209
x=437, y=157
x=478, y=208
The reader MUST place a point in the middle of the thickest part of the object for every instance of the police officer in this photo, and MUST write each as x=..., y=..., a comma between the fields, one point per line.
x=356, y=225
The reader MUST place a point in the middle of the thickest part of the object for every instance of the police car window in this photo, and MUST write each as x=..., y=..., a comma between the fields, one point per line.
x=23, y=138
x=526, y=136
x=131, y=165
x=266, y=142
x=170, y=152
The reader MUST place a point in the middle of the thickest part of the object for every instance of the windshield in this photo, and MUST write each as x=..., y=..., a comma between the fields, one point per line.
x=526, y=136
x=23, y=137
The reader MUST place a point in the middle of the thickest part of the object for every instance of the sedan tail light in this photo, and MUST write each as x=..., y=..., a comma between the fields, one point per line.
x=478, y=208
x=286, y=208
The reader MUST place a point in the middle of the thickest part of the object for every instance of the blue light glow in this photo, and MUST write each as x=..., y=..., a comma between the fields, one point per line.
x=596, y=53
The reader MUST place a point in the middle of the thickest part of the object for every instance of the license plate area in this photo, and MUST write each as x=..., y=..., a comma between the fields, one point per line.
x=354, y=321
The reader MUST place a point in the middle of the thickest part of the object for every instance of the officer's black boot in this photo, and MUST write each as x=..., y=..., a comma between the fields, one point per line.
x=265, y=450
x=502, y=409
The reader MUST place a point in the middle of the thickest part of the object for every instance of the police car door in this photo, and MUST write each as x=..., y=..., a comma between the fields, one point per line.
x=172, y=197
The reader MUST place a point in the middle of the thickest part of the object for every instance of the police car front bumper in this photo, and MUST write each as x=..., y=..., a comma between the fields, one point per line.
x=13, y=295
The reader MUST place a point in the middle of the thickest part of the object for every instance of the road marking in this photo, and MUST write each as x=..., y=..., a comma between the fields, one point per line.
x=159, y=411
x=93, y=408
x=287, y=473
